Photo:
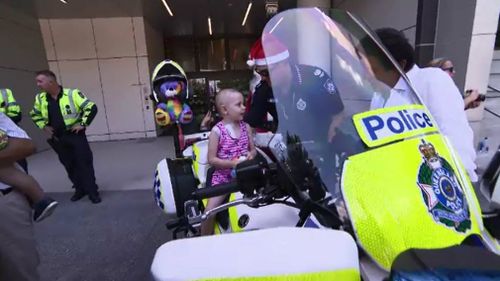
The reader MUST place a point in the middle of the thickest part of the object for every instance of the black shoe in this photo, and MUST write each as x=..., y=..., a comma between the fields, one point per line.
x=77, y=195
x=44, y=208
x=95, y=198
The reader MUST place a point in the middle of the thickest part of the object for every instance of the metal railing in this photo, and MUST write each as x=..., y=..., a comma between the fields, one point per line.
x=496, y=90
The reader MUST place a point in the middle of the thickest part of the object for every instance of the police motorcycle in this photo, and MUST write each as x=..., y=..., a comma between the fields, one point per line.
x=402, y=208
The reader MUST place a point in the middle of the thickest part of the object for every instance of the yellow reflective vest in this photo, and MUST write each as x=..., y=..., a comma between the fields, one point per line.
x=75, y=108
x=8, y=104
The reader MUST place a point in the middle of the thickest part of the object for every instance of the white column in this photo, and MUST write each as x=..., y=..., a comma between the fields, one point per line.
x=317, y=54
x=481, y=50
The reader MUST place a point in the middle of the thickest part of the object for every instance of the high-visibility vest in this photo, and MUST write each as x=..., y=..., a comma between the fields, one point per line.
x=8, y=104
x=74, y=106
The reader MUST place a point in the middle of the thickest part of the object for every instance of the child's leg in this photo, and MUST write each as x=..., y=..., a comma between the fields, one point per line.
x=207, y=226
x=12, y=176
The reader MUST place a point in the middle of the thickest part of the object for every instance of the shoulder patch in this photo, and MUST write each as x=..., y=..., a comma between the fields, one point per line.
x=301, y=105
x=319, y=72
x=81, y=95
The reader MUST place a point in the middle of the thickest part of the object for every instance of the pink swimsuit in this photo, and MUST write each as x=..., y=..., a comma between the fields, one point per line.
x=230, y=148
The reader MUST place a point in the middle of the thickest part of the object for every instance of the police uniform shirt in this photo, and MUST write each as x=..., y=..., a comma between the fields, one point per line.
x=311, y=105
x=13, y=131
x=262, y=103
x=56, y=119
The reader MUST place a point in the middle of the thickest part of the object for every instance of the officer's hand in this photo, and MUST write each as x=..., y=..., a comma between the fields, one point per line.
x=49, y=130
x=77, y=128
x=331, y=134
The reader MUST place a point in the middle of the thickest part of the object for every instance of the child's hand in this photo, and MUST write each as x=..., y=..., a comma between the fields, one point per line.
x=251, y=155
x=235, y=162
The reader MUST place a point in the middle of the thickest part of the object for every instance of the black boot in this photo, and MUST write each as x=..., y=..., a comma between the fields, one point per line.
x=79, y=194
x=95, y=198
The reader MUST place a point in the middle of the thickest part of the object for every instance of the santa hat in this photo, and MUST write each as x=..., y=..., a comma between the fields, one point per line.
x=275, y=52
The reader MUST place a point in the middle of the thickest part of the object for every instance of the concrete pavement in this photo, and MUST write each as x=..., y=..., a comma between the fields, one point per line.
x=114, y=240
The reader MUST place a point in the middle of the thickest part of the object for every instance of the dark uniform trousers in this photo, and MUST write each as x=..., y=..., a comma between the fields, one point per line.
x=75, y=155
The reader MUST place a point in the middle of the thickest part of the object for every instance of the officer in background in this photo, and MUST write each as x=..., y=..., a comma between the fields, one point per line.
x=261, y=98
x=9, y=106
x=64, y=114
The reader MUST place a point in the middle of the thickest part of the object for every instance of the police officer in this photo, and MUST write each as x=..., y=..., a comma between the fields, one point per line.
x=64, y=114
x=11, y=108
x=262, y=99
x=308, y=104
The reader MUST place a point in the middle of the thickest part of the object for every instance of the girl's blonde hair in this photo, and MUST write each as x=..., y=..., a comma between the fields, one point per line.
x=222, y=97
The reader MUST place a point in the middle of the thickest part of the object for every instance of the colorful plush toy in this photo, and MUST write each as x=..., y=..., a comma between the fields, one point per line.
x=171, y=93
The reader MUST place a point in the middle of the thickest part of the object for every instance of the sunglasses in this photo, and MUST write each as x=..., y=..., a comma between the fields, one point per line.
x=449, y=69
x=262, y=72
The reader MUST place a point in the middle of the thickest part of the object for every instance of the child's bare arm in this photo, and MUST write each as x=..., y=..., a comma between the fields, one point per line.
x=213, y=144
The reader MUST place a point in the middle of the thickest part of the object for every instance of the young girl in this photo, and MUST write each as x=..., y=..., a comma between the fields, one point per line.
x=43, y=206
x=230, y=142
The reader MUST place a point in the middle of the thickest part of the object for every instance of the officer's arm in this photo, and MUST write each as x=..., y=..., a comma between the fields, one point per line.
x=331, y=97
x=17, y=149
x=13, y=109
x=334, y=124
x=87, y=107
x=17, y=117
x=89, y=115
x=36, y=115
x=258, y=110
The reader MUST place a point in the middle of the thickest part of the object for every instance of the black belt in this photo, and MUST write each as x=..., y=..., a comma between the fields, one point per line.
x=6, y=191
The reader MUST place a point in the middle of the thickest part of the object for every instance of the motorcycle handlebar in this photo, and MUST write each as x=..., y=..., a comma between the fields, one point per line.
x=216, y=190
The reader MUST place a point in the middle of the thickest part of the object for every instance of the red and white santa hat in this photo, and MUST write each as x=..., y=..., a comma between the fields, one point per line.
x=275, y=52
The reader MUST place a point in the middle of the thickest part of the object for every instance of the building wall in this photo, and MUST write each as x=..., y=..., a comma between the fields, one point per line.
x=491, y=122
x=22, y=53
x=453, y=42
x=155, y=44
x=107, y=59
x=482, y=42
x=398, y=14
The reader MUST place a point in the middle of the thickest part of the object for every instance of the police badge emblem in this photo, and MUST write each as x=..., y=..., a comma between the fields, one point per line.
x=330, y=87
x=301, y=105
x=441, y=190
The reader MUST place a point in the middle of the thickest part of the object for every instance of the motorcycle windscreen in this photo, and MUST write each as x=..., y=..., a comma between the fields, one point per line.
x=322, y=72
x=350, y=125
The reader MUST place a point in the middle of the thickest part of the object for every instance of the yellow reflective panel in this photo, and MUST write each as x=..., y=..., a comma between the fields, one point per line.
x=341, y=275
x=385, y=125
x=408, y=195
